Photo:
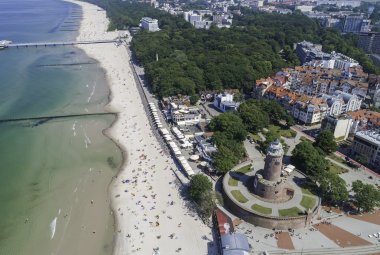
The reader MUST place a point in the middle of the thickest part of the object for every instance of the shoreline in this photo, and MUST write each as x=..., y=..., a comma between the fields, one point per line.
x=148, y=208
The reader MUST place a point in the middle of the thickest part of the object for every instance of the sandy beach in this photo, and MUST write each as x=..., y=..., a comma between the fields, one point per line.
x=150, y=214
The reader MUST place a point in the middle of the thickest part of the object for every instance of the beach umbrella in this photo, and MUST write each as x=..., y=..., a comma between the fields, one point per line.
x=203, y=163
x=194, y=157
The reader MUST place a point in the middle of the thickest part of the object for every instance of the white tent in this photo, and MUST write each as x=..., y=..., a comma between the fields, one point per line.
x=289, y=168
x=153, y=110
x=164, y=131
x=181, y=158
x=168, y=138
x=159, y=126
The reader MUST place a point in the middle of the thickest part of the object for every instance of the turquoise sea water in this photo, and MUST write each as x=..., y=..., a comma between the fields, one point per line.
x=50, y=169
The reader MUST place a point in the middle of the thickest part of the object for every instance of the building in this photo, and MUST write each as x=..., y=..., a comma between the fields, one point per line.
x=149, y=24
x=179, y=110
x=356, y=24
x=234, y=244
x=369, y=42
x=270, y=185
x=205, y=147
x=366, y=147
x=230, y=243
x=304, y=8
x=307, y=51
x=339, y=3
x=225, y=102
x=363, y=120
x=183, y=115
x=339, y=126
x=374, y=90
x=311, y=54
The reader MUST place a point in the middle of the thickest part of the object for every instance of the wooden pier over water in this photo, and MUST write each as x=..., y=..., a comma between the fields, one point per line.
x=50, y=44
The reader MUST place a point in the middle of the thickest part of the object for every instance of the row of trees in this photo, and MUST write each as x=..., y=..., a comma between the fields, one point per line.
x=231, y=129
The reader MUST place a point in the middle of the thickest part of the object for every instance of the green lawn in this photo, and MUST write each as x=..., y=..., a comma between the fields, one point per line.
x=232, y=181
x=294, y=211
x=244, y=169
x=284, y=132
x=308, y=202
x=261, y=209
x=337, y=169
x=238, y=196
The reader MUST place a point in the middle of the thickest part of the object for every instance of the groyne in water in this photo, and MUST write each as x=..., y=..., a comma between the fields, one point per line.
x=42, y=119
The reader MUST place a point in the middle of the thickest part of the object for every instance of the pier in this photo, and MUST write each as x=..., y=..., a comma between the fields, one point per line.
x=52, y=44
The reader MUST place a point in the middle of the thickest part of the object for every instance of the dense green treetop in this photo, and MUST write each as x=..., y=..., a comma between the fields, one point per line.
x=332, y=187
x=199, y=184
x=191, y=60
x=326, y=142
x=366, y=197
x=308, y=159
x=230, y=124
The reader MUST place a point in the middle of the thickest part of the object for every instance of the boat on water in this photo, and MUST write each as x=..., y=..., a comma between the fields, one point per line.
x=4, y=44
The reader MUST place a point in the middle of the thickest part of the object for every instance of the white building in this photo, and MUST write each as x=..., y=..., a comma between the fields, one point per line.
x=304, y=8
x=149, y=24
x=183, y=115
x=367, y=145
x=339, y=126
x=225, y=102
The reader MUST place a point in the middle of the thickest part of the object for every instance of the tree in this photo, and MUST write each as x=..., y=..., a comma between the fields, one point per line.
x=253, y=117
x=366, y=196
x=332, y=187
x=238, y=97
x=207, y=204
x=199, y=184
x=224, y=159
x=194, y=99
x=326, y=142
x=230, y=124
x=308, y=160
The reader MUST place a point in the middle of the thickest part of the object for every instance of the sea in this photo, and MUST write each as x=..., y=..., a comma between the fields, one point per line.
x=56, y=164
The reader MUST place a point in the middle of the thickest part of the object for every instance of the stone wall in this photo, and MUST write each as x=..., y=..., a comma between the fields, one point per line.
x=268, y=221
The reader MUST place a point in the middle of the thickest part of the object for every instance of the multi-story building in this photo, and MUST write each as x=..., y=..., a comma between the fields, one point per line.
x=179, y=110
x=374, y=90
x=312, y=81
x=312, y=55
x=356, y=24
x=149, y=24
x=352, y=122
x=364, y=120
x=304, y=8
x=225, y=102
x=366, y=146
x=307, y=51
x=339, y=126
x=369, y=42
x=310, y=112
x=339, y=3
